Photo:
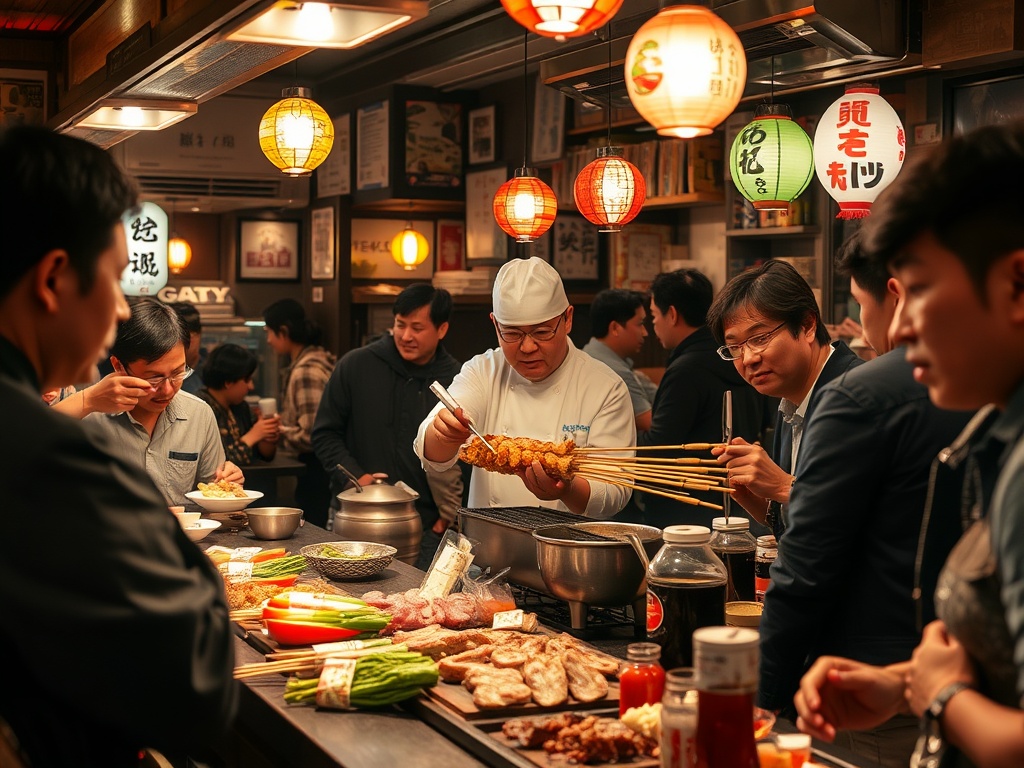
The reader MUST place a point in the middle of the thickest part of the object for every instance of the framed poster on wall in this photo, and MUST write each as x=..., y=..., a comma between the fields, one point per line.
x=322, y=244
x=486, y=242
x=451, y=245
x=268, y=250
x=575, y=254
x=371, y=249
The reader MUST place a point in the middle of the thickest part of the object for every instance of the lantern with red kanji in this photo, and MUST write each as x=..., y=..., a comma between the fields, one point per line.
x=859, y=147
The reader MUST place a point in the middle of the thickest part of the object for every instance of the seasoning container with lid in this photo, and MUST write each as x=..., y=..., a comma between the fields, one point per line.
x=765, y=554
x=732, y=541
x=726, y=660
x=685, y=591
x=642, y=678
x=679, y=719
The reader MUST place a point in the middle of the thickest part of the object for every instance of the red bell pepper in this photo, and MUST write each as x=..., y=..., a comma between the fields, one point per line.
x=305, y=633
x=284, y=581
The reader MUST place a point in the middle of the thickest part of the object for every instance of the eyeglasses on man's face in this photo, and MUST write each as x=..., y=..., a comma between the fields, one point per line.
x=157, y=381
x=755, y=344
x=516, y=336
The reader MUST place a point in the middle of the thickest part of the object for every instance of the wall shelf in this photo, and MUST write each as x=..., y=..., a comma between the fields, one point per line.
x=773, y=231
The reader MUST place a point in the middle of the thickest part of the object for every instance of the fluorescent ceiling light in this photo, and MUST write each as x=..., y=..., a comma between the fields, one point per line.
x=136, y=114
x=329, y=24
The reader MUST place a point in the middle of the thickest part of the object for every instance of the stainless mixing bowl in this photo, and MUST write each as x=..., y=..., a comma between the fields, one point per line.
x=273, y=522
x=586, y=572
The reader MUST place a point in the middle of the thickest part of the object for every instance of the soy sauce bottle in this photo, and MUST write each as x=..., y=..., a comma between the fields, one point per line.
x=734, y=544
x=686, y=584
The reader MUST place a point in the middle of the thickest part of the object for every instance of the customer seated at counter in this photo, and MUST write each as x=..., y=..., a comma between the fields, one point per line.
x=169, y=432
x=847, y=569
x=961, y=259
x=768, y=321
x=117, y=635
x=535, y=384
x=227, y=378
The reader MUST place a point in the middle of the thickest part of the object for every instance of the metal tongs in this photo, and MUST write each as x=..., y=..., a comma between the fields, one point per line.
x=727, y=438
x=449, y=402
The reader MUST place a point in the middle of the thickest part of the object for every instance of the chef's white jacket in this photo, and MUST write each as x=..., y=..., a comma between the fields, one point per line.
x=583, y=400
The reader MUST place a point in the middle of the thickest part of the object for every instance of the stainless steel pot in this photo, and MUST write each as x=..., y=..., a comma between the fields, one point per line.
x=382, y=513
x=273, y=522
x=588, y=572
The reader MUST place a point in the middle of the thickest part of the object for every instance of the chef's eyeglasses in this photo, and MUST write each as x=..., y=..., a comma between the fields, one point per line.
x=515, y=336
x=755, y=344
x=157, y=381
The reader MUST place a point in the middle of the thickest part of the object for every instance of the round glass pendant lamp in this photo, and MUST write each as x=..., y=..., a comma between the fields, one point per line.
x=685, y=71
x=409, y=248
x=610, y=191
x=859, y=147
x=772, y=159
x=179, y=254
x=562, y=19
x=524, y=206
x=296, y=134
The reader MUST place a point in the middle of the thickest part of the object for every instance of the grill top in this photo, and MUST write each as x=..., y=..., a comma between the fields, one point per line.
x=570, y=533
x=521, y=518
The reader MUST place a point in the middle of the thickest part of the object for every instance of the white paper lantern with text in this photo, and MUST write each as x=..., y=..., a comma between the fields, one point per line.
x=859, y=147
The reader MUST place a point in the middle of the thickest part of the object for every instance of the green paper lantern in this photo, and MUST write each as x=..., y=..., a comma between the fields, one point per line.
x=772, y=159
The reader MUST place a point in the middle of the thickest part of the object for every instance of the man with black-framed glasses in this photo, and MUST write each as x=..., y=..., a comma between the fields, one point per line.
x=171, y=433
x=769, y=325
x=536, y=384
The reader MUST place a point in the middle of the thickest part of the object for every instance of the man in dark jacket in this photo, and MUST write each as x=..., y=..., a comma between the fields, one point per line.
x=688, y=404
x=374, y=403
x=844, y=580
x=770, y=325
x=90, y=549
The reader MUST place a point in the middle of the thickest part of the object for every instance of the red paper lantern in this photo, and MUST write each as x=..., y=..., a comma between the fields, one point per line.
x=562, y=18
x=525, y=206
x=610, y=191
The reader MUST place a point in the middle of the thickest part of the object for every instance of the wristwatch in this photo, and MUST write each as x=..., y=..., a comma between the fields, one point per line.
x=938, y=706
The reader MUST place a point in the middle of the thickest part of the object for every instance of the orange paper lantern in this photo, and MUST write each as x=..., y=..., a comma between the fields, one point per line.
x=525, y=206
x=610, y=191
x=561, y=19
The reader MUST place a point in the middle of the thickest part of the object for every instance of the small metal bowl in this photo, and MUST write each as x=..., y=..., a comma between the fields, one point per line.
x=273, y=522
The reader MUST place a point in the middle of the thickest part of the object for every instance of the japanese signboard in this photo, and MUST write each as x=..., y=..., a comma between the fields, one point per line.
x=146, y=233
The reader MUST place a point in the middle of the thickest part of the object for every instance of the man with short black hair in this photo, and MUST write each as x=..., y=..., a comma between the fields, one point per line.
x=194, y=356
x=688, y=405
x=617, y=322
x=769, y=324
x=90, y=544
x=171, y=433
x=376, y=398
x=844, y=581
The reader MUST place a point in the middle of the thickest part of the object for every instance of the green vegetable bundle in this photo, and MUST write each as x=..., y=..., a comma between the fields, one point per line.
x=380, y=679
x=279, y=567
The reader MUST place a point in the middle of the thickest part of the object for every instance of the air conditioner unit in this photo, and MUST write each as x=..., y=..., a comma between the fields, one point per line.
x=211, y=161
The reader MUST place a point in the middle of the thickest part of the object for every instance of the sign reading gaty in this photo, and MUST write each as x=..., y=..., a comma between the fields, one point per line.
x=196, y=294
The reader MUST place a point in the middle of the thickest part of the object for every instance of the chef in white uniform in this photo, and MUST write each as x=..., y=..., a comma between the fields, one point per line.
x=535, y=384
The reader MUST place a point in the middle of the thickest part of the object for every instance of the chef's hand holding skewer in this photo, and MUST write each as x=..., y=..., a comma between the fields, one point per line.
x=754, y=477
x=574, y=492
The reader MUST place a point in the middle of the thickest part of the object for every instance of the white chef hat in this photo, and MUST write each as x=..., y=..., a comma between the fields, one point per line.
x=527, y=292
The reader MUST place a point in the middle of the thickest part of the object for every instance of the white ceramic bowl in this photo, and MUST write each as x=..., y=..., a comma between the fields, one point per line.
x=229, y=504
x=202, y=529
x=188, y=519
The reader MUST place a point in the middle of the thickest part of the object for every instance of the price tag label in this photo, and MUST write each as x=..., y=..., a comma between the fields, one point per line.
x=508, y=620
x=239, y=570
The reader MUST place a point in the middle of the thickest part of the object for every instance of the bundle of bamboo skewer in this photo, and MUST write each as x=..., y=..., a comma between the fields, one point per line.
x=616, y=466
x=306, y=662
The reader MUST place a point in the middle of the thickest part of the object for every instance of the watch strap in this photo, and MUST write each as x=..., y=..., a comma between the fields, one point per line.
x=938, y=705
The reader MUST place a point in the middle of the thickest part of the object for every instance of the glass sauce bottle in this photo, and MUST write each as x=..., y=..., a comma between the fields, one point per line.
x=641, y=679
x=726, y=660
x=734, y=544
x=685, y=590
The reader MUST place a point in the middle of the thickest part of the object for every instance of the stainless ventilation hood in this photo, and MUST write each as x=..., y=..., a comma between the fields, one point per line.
x=791, y=45
x=802, y=42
